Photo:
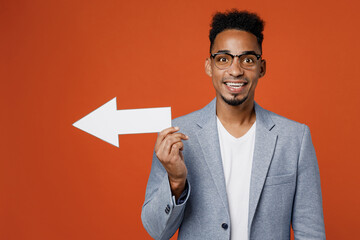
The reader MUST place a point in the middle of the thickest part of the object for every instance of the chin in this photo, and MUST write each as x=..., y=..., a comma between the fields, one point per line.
x=234, y=101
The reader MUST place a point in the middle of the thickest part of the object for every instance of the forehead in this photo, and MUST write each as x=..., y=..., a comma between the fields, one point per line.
x=235, y=41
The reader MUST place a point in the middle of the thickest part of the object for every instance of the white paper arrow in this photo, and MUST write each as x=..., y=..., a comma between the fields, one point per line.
x=107, y=122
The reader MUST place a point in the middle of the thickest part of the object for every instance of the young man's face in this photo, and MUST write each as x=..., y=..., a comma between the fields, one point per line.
x=235, y=85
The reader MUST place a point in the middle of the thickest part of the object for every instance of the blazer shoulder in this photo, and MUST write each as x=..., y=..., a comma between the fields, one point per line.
x=188, y=121
x=286, y=126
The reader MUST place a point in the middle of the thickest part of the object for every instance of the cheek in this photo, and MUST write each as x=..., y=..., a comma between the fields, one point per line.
x=214, y=81
x=217, y=77
x=254, y=76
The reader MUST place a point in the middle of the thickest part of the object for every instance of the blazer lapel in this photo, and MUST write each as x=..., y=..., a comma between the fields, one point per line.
x=265, y=142
x=209, y=142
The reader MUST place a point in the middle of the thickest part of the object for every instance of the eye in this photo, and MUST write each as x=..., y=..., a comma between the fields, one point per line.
x=248, y=60
x=223, y=59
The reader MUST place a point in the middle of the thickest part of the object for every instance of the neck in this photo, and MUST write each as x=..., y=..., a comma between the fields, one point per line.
x=243, y=114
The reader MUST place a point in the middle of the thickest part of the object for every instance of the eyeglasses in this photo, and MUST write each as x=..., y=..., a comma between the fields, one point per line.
x=224, y=60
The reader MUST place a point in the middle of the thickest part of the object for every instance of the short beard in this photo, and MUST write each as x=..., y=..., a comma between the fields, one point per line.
x=234, y=101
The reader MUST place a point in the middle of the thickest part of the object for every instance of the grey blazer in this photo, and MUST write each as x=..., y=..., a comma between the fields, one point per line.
x=284, y=189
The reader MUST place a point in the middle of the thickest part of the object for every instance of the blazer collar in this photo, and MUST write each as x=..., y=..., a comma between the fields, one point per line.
x=207, y=115
x=263, y=117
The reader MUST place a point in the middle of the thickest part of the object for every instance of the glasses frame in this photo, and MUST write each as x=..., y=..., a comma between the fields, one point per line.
x=258, y=56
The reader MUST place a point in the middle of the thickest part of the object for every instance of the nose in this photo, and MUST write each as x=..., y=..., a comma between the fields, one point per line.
x=235, y=69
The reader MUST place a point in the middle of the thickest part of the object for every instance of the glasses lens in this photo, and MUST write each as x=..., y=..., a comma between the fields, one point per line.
x=248, y=61
x=223, y=61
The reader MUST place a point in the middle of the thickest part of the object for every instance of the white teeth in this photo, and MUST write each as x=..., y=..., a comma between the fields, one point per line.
x=232, y=84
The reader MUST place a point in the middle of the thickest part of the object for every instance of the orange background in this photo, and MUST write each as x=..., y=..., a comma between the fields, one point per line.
x=60, y=60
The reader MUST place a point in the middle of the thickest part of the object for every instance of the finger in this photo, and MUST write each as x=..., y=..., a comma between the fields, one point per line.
x=168, y=142
x=163, y=149
x=164, y=133
x=180, y=135
x=176, y=148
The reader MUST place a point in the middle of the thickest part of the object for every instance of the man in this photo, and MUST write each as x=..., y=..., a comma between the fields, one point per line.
x=236, y=171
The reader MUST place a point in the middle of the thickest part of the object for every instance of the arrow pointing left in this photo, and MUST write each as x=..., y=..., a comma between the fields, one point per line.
x=107, y=122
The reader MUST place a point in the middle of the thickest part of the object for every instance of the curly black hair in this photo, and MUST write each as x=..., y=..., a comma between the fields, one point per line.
x=240, y=20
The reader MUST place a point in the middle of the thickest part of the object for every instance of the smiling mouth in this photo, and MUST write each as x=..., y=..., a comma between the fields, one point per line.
x=235, y=84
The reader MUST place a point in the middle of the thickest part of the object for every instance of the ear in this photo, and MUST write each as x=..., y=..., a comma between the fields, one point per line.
x=262, y=67
x=208, y=69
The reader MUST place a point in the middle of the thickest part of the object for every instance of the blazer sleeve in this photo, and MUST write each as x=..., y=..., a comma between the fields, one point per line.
x=307, y=216
x=160, y=215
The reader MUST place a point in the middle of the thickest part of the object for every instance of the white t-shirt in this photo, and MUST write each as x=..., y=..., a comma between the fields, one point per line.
x=237, y=157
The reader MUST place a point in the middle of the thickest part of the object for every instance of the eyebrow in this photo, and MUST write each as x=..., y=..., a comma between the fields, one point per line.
x=244, y=52
x=223, y=51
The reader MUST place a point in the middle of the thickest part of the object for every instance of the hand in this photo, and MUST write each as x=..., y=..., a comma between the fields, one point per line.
x=168, y=149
